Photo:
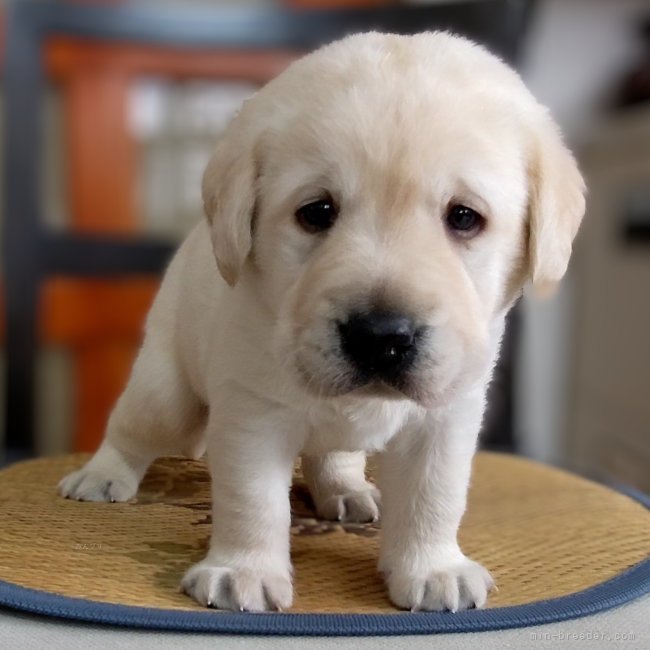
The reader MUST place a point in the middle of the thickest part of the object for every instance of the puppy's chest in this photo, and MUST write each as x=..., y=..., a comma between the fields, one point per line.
x=354, y=428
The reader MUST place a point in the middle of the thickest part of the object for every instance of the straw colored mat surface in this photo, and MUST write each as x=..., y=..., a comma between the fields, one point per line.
x=543, y=533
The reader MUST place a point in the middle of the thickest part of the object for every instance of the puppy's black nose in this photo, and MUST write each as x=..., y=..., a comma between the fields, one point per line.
x=379, y=342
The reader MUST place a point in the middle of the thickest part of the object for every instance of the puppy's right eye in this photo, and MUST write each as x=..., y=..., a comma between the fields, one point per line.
x=317, y=216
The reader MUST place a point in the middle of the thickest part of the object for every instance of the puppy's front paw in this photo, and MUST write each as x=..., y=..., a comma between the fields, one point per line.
x=239, y=589
x=89, y=484
x=454, y=586
x=356, y=506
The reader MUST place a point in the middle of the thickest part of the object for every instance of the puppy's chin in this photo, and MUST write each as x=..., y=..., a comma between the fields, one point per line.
x=349, y=384
x=417, y=391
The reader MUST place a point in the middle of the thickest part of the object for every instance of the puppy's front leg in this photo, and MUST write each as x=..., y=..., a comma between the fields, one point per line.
x=424, y=476
x=251, y=460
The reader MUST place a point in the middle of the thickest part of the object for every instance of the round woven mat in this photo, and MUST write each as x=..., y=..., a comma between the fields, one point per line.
x=542, y=532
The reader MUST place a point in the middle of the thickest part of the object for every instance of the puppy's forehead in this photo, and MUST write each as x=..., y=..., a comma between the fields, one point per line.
x=394, y=146
x=385, y=115
x=394, y=76
x=395, y=98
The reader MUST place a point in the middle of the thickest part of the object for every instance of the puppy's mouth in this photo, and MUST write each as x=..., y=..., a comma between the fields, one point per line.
x=383, y=390
x=350, y=381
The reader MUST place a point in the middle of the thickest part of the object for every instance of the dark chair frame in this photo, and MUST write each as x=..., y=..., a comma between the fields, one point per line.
x=31, y=253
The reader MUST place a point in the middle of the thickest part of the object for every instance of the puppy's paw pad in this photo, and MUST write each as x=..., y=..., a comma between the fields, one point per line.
x=91, y=485
x=356, y=506
x=462, y=585
x=238, y=589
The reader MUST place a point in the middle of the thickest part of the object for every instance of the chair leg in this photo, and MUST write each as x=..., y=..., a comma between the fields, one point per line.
x=22, y=247
x=21, y=307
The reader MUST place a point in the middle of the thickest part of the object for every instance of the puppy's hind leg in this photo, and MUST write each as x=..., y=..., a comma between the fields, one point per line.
x=339, y=488
x=157, y=414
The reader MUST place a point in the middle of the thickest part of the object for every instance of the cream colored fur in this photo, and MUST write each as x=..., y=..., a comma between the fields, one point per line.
x=247, y=363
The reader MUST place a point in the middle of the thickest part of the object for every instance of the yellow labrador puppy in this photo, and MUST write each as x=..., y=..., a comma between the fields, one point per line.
x=374, y=213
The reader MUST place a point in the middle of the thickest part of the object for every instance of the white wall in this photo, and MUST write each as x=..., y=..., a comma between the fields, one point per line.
x=576, y=54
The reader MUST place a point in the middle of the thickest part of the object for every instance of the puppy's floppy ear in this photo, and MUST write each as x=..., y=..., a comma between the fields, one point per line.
x=229, y=199
x=556, y=207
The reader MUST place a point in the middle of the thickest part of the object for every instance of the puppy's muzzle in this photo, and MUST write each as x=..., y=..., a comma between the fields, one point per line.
x=379, y=344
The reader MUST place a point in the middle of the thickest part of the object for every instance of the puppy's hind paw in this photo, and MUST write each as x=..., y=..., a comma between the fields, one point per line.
x=93, y=485
x=359, y=506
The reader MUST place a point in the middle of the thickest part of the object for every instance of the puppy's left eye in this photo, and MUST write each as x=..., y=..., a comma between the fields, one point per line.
x=464, y=221
x=317, y=216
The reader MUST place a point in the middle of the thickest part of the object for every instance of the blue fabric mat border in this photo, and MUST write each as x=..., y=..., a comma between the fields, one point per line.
x=631, y=584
